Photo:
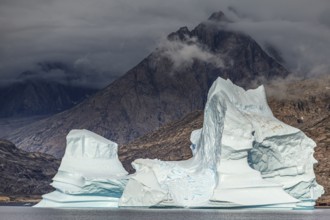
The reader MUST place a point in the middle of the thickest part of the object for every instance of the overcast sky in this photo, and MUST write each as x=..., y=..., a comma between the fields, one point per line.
x=108, y=37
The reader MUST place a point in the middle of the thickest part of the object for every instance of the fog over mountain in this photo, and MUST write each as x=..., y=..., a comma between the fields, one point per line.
x=105, y=38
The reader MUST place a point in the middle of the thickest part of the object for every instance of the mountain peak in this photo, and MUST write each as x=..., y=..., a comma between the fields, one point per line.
x=180, y=34
x=184, y=30
x=218, y=16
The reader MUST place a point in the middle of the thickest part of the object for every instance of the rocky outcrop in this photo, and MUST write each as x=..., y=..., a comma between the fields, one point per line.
x=24, y=173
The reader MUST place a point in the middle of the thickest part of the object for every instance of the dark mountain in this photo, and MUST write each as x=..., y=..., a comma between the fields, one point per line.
x=170, y=83
x=39, y=97
x=50, y=87
x=24, y=173
x=305, y=106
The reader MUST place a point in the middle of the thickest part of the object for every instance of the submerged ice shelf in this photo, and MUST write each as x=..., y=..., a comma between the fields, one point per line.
x=242, y=157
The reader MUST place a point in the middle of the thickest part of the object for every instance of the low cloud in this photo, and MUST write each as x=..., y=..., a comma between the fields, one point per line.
x=184, y=53
x=80, y=73
x=302, y=47
x=297, y=87
x=116, y=35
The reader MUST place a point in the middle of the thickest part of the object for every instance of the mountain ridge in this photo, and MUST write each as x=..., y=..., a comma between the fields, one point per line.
x=39, y=97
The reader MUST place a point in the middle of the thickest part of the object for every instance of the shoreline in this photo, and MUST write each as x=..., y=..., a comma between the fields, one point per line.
x=19, y=200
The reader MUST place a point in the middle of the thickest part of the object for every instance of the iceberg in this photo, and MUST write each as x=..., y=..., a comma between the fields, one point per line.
x=242, y=157
x=90, y=174
x=261, y=154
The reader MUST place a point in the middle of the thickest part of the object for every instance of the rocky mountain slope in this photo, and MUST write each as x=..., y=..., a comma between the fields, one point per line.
x=306, y=105
x=170, y=83
x=169, y=142
x=10, y=124
x=24, y=173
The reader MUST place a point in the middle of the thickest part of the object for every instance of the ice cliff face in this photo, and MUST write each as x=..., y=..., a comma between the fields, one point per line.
x=243, y=157
x=287, y=159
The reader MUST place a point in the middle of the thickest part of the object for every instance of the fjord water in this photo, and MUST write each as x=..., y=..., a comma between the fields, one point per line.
x=28, y=213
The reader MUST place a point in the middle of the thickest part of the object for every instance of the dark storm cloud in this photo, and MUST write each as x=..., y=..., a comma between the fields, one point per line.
x=104, y=38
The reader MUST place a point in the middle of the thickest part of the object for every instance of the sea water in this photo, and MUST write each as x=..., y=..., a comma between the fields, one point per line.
x=28, y=213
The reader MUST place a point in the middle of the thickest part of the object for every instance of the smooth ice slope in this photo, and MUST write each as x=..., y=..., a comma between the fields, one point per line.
x=90, y=174
x=239, y=132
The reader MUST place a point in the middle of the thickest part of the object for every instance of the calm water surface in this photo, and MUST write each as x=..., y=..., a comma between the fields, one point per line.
x=28, y=213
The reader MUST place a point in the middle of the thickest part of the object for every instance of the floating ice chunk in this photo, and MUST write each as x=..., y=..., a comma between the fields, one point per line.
x=90, y=174
x=91, y=155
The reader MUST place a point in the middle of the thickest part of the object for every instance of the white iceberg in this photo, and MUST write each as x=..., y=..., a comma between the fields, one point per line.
x=250, y=127
x=90, y=174
x=242, y=157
